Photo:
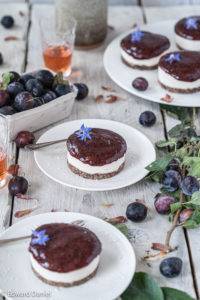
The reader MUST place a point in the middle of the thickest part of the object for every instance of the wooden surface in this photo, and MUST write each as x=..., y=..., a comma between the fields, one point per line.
x=54, y=196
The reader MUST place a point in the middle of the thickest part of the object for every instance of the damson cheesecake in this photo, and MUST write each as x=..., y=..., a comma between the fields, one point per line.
x=142, y=49
x=187, y=33
x=64, y=254
x=96, y=153
x=179, y=71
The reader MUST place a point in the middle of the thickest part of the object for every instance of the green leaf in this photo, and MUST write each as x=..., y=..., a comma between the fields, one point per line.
x=193, y=165
x=123, y=228
x=170, y=142
x=175, y=206
x=175, y=132
x=195, y=199
x=173, y=294
x=143, y=287
x=6, y=79
x=181, y=113
x=157, y=167
x=194, y=221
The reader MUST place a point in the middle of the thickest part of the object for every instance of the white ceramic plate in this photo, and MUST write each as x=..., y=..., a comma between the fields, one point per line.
x=53, y=160
x=124, y=75
x=114, y=274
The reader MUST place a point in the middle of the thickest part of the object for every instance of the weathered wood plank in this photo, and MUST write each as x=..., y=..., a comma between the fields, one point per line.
x=14, y=57
x=54, y=196
x=153, y=14
x=165, y=3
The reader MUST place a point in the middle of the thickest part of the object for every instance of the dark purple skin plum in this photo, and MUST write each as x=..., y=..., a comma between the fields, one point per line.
x=147, y=119
x=38, y=101
x=62, y=89
x=7, y=21
x=7, y=110
x=171, y=267
x=14, y=76
x=25, y=77
x=136, y=211
x=24, y=138
x=34, y=87
x=185, y=214
x=140, y=84
x=174, y=164
x=1, y=59
x=4, y=98
x=46, y=78
x=82, y=91
x=14, y=88
x=17, y=185
x=171, y=180
x=189, y=185
x=23, y=101
x=49, y=96
x=162, y=203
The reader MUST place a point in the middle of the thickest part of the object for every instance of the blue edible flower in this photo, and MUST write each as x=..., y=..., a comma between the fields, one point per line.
x=84, y=133
x=191, y=23
x=137, y=35
x=173, y=57
x=40, y=237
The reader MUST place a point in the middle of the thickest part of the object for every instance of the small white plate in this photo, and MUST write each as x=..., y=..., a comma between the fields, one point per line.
x=52, y=160
x=115, y=272
x=124, y=75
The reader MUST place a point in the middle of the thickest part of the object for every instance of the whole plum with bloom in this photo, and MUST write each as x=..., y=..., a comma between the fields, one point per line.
x=136, y=211
x=17, y=185
x=15, y=88
x=147, y=119
x=171, y=180
x=171, y=267
x=140, y=84
x=62, y=89
x=162, y=203
x=7, y=21
x=45, y=77
x=25, y=77
x=34, y=87
x=82, y=91
x=185, y=214
x=24, y=101
x=24, y=138
x=189, y=185
x=4, y=98
x=49, y=96
x=7, y=110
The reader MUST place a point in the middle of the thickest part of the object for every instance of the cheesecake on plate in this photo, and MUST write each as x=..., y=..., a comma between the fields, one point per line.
x=64, y=254
x=143, y=49
x=179, y=71
x=187, y=33
x=96, y=153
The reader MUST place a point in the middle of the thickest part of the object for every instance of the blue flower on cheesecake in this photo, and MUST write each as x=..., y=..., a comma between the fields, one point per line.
x=137, y=35
x=39, y=237
x=173, y=57
x=191, y=23
x=84, y=133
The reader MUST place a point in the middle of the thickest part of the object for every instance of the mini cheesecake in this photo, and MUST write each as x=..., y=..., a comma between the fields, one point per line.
x=142, y=49
x=64, y=254
x=98, y=157
x=179, y=71
x=187, y=33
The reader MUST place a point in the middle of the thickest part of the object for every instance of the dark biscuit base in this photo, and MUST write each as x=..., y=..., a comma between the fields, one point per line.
x=94, y=176
x=139, y=67
x=62, y=284
x=186, y=91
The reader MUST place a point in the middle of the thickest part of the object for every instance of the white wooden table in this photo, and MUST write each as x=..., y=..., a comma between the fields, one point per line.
x=25, y=55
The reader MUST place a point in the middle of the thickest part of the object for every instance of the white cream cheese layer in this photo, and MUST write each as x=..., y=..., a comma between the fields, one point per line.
x=151, y=62
x=105, y=169
x=68, y=277
x=193, y=45
x=169, y=81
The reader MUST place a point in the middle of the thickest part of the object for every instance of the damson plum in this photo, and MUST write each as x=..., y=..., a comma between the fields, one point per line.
x=17, y=185
x=140, y=84
x=35, y=87
x=4, y=98
x=7, y=21
x=82, y=91
x=49, y=96
x=162, y=203
x=1, y=59
x=136, y=211
x=189, y=185
x=38, y=101
x=25, y=77
x=171, y=267
x=7, y=110
x=23, y=101
x=185, y=214
x=147, y=119
x=171, y=180
x=15, y=88
x=46, y=78
x=24, y=138
x=62, y=89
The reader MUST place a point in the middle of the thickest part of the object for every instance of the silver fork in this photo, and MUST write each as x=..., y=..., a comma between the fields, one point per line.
x=20, y=238
x=42, y=145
